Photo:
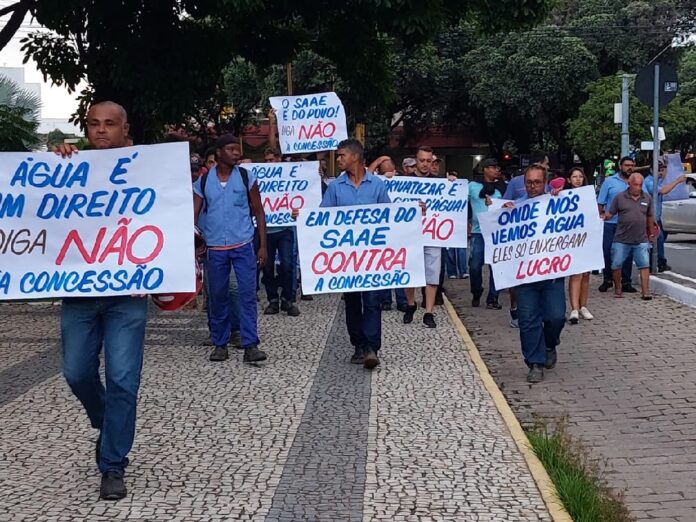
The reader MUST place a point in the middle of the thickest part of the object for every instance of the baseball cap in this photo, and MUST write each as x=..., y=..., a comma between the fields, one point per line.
x=409, y=162
x=489, y=162
x=435, y=158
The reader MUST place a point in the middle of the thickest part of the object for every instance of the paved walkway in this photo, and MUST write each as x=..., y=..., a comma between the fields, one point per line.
x=306, y=437
x=627, y=382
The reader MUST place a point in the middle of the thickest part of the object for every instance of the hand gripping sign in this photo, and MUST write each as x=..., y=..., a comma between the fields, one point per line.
x=445, y=222
x=309, y=123
x=361, y=248
x=108, y=222
x=285, y=187
x=543, y=238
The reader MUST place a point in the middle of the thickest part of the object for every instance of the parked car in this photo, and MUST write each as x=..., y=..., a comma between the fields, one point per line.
x=680, y=216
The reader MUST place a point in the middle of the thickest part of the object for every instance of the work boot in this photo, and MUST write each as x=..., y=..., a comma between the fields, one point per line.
x=112, y=486
x=291, y=309
x=536, y=374
x=272, y=308
x=408, y=314
x=606, y=285
x=253, y=354
x=219, y=353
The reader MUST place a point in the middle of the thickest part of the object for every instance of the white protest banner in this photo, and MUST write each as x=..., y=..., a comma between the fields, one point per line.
x=309, y=123
x=361, y=248
x=286, y=186
x=497, y=204
x=543, y=238
x=445, y=223
x=106, y=222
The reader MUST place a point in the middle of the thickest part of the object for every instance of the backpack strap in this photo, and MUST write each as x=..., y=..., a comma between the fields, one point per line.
x=245, y=179
x=204, y=180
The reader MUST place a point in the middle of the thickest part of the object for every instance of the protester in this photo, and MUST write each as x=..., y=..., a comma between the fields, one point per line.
x=433, y=257
x=435, y=167
x=196, y=167
x=228, y=205
x=578, y=284
x=662, y=190
x=210, y=158
x=480, y=197
x=540, y=305
x=612, y=187
x=384, y=166
x=456, y=257
x=280, y=242
x=516, y=189
x=357, y=186
x=115, y=323
x=408, y=166
x=634, y=233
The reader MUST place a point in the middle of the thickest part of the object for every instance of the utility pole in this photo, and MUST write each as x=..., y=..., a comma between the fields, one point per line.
x=625, y=79
x=655, y=157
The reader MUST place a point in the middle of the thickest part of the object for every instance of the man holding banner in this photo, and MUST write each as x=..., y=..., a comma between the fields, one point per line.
x=357, y=186
x=118, y=324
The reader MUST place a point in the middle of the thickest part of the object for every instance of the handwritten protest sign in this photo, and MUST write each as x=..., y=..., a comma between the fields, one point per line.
x=543, y=238
x=361, y=248
x=286, y=186
x=110, y=222
x=445, y=223
x=310, y=123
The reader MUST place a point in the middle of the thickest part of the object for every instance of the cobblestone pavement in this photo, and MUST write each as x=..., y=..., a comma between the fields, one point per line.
x=626, y=381
x=307, y=436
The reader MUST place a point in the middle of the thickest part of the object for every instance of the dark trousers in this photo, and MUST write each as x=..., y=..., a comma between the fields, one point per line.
x=541, y=312
x=364, y=319
x=607, y=240
x=282, y=243
x=476, y=270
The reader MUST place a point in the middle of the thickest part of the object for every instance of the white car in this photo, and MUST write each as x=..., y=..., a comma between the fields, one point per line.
x=680, y=216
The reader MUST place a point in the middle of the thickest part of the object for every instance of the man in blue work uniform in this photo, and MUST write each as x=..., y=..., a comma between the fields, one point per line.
x=357, y=186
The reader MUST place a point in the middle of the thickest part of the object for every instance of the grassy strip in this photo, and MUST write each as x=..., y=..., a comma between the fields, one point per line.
x=578, y=480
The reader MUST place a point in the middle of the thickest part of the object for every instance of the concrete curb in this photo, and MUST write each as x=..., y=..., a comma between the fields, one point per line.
x=680, y=293
x=543, y=481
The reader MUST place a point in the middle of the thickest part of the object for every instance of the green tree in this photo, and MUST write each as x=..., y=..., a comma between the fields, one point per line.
x=19, y=117
x=55, y=137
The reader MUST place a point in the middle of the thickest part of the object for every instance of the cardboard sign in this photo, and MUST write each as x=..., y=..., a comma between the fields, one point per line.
x=445, y=223
x=286, y=186
x=361, y=248
x=107, y=222
x=543, y=238
x=309, y=123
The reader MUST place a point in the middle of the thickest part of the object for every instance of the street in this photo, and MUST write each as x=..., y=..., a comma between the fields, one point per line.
x=680, y=251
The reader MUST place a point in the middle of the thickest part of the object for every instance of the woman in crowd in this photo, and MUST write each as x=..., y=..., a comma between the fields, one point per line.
x=579, y=284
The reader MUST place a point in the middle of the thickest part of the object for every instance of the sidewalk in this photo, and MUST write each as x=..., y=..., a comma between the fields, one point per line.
x=626, y=381
x=306, y=437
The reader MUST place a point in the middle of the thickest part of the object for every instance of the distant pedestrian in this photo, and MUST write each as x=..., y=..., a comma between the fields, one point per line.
x=357, y=186
x=408, y=166
x=578, y=284
x=634, y=233
x=456, y=257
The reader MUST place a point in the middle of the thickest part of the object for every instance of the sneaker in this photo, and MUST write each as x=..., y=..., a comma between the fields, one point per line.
x=358, y=357
x=476, y=301
x=408, y=314
x=219, y=353
x=514, y=318
x=402, y=307
x=464, y=276
x=386, y=307
x=307, y=297
x=370, y=360
x=112, y=487
x=664, y=268
x=429, y=320
x=536, y=374
x=272, y=308
x=292, y=310
x=574, y=317
x=585, y=313
x=253, y=354
x=628, y=288
x=551, y=358
x=236, y=339
x=452, y=277
x=494, y=305
x=606, y=285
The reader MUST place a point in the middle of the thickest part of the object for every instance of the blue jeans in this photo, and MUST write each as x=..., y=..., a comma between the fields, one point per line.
x=607, y=240
x=295, y=264
x=476, y=270
x=621, y=251
x=234, y=304
x=541, y=313
x=220, y=263
x=117, y=324
x=282, y=243
x=456, y=262
x=398, y=292
x=364, y=319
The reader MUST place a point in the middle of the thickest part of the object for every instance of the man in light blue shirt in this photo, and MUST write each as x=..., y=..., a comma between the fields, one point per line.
x=612, y=187
x=662, y=190
x=357, y=186
x=228, y=229
x=480, y=196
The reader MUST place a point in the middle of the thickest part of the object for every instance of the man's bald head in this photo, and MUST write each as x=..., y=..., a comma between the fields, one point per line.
x=107, y=125
x=635, y=184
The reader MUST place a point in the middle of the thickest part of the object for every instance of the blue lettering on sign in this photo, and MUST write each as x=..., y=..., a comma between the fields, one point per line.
x=41, y=175
x=97, y=204
x=562, y=205
x=515, y=233
x=91, y=281
x=5, y=282
x=318, y=218
x=11, y=206
x=519, y=214
x=564, y=224
x=119, y=170
x=398, y=278
x=368, y=237
x=310, y=101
